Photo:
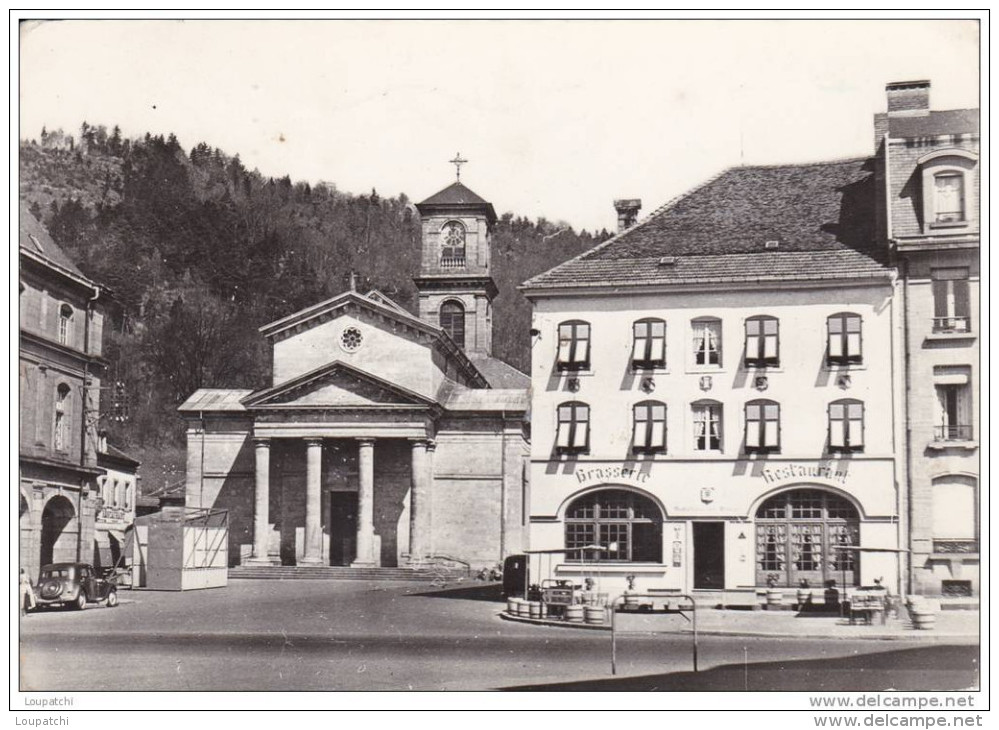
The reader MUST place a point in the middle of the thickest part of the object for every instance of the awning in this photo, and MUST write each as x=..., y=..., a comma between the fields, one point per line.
x=102, y=550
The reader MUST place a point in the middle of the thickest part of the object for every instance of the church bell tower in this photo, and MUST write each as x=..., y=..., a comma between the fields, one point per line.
x=455, y=284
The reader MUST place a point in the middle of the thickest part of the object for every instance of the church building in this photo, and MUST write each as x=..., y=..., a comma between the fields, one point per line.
x=384, y=438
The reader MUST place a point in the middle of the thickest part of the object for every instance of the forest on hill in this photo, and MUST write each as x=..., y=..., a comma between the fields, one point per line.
x=199, y=252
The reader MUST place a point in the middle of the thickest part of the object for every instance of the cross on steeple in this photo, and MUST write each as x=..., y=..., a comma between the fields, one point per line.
x=458, y=162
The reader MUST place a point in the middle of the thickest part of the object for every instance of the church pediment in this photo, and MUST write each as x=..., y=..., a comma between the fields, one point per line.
x=337, y=385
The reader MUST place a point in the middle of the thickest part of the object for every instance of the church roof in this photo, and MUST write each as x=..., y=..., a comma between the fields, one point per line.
x=456, y=197
x=763, y=223
x=215, y=399
x=500, y=374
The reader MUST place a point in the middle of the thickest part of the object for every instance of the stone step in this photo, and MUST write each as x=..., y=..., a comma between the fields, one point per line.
x=320, y=572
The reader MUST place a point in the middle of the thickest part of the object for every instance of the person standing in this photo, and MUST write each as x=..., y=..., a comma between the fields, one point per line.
x=27, y=593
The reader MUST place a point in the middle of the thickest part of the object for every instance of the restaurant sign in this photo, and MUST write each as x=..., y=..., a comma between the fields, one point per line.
x=603, y=473
x=775, y=474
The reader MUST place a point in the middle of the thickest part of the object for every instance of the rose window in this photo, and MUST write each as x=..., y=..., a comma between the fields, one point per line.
x=351, y=338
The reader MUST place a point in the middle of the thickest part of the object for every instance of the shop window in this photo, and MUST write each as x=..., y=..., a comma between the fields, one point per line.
x=573, y=428
x=452, y=320
x=843, y=339
x=762, y=426
x=707, y=426
x=762, y=341
x=626, y=527
x=649, y=347
x=574, y=345
x=951, y=300
x=707, y=341
x=649, y=429
x=806, y=534
x=846, y=425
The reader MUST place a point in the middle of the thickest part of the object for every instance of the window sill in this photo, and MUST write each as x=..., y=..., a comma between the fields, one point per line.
x=950, y=336
x=948, y=225
x=840, y=367
x=649, y=371
x=567, y=373
x=944, y=445
x=705, y=370
x=762, y=369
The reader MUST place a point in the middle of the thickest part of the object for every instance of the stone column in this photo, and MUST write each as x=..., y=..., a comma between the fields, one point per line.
x=261, y=501
x=366, y=505
x=419, y=501
x=313, y=501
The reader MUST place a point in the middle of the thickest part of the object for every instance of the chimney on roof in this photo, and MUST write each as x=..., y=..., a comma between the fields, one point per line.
x=909, y=98
x=627, y=212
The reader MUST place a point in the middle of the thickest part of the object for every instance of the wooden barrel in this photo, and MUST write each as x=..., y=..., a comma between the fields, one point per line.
x=523, y=609
x=574, y=614
x=534, y=609
x=923, y=619
x=593, y=614
x=511, y=605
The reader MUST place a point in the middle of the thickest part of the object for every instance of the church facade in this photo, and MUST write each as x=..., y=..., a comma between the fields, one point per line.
x=384, y=438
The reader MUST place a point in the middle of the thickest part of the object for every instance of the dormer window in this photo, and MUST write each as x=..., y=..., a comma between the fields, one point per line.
x=948, y=197
x=948, y=178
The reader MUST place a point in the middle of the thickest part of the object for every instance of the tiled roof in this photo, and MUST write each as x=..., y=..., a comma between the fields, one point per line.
x=498, y=373
x=215, y=399
x=458, y=197
x=820, y=215
x=33, y=237
x=951, y=121
x=454, y=194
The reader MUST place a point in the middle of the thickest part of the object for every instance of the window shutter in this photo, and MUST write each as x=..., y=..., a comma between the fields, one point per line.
x=836, y=434
x=641, y=433
x=639, y=349
x=581, y=433
x=658, y=438
x=564, y=347
x=753, y=426
x=658, y=349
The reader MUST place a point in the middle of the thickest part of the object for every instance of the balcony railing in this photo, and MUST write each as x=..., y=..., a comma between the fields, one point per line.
x=961, y=546
x=953, y=433
x=452, y=262
x=951, y=324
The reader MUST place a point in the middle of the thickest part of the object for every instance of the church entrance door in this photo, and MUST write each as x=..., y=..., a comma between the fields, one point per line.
x=343, y=528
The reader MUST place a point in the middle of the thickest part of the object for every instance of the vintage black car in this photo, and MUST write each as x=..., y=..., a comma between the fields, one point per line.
x=75, y=585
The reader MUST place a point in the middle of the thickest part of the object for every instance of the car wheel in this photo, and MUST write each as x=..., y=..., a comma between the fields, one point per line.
x=112, y=599
x=81, y=601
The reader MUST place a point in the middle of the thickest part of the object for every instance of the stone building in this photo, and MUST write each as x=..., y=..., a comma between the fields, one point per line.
x=383, y=436
x=714, y=390
x=59, y=374
x=928, y=167
x=117, y=498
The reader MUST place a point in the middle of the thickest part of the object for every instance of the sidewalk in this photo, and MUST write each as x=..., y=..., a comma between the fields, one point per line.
x=960, y=626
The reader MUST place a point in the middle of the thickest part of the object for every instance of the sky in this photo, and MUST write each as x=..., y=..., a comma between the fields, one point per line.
x=556, y=118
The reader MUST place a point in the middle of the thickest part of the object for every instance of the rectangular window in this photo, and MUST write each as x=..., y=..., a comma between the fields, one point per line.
x=707, y=427
x=762, y=344
x=762, y=427
x=846, y=426
x=954, y=419
x=948, y=200
x=951, y=300
x=843, y=339
x=573, y=346
x=649, y=348
x=707, y=342
x=649, y=427
x=573, y=428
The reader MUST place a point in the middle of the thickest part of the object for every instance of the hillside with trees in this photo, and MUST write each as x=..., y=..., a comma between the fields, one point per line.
x=199, y=252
